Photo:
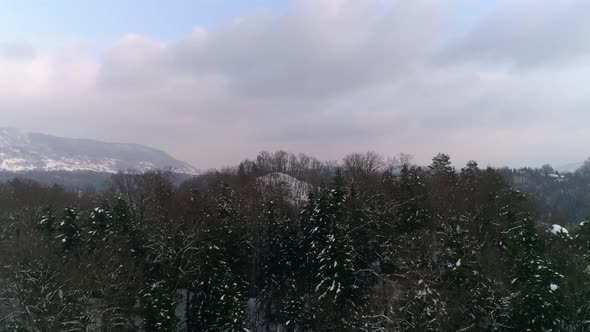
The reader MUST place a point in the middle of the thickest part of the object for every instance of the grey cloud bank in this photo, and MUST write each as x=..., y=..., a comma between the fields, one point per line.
x=327, y=77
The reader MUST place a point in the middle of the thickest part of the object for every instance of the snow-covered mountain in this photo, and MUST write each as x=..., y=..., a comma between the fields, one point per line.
x=21, y=152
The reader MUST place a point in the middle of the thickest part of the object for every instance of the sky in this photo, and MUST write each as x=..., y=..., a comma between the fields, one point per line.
x=502, y=82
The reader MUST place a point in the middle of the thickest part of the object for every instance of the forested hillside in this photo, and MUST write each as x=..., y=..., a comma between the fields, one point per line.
x=370, y=246
x=558, y=197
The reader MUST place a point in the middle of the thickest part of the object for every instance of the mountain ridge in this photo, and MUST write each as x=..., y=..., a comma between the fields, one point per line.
x=22, y=151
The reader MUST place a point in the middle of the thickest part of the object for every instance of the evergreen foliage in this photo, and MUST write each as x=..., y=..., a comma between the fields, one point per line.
x=403, y=248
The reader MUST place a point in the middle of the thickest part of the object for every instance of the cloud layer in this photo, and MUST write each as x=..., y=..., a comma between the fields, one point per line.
x=504, y=85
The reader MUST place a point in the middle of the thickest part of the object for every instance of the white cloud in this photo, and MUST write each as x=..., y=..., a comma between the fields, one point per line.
x=326, y=77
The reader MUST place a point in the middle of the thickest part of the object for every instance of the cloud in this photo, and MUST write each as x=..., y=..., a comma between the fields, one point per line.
x=326, y=77
x=17, y=51
x=528, y=33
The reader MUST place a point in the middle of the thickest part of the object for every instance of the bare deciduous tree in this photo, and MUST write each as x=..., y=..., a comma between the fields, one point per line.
x=363, y=164
x=395, y=164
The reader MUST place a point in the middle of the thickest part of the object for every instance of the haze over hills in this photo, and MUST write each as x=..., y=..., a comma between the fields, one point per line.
x=27, y=152
x=572, y=167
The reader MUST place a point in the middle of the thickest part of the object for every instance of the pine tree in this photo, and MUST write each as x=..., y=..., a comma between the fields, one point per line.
x=411, y=196
x=48, y=222
x=129, y=233
x=216, y=302
x=47, y=227
x=114, y=282
x=335, y=293
x=242, y=175
x=579, y=256
x=157, y=302
x=441, y=166
x=218, y=288
x=99, y=228
x=278, y=288
x=537, y=300
x=69, y=231
x=443, y=189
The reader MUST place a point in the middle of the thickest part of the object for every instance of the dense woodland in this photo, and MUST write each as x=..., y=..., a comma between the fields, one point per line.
x=370, y=245
x=563, y=196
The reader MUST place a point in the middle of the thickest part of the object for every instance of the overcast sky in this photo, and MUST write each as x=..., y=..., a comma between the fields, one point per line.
x=503, y=82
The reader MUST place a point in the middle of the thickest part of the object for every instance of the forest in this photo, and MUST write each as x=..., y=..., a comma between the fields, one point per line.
x=287, y=242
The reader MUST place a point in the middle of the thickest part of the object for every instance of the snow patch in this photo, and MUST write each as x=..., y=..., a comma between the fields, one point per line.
x=297, y=190
x=556, y=229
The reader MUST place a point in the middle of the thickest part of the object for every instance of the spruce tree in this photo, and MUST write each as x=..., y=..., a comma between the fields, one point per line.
x=48, y=222
x=411, y=196
x=218, y=287
x=216, y=301
x=335, y=293
x=69, y=231
x=278, y=288
x=536, y=298
x=157, y=302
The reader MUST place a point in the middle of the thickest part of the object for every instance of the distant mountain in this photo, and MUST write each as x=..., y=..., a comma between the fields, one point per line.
x=569, y=168
x=32, y=152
